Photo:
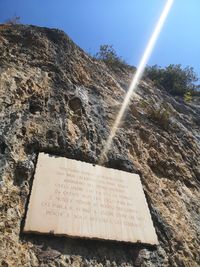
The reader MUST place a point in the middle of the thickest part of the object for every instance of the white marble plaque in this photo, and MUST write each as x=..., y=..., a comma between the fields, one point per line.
x=78, y=199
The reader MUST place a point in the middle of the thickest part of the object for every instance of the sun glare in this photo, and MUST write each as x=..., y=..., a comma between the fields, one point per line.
x=137, y=77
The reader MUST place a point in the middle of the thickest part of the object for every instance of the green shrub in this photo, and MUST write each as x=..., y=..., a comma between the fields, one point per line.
x=188, y=97
x=174, y=79
x=158, y=112
x=108, y=55
x=13, y=21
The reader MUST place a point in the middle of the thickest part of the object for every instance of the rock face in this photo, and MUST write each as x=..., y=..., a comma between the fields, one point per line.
x=56, y=99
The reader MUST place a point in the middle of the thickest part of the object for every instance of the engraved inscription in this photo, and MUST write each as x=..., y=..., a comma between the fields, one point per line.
x=91, y=198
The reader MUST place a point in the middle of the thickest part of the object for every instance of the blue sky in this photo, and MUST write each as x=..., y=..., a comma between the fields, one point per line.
x=125, y=24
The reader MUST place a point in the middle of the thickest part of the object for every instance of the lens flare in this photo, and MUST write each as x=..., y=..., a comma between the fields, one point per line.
x=137, y=77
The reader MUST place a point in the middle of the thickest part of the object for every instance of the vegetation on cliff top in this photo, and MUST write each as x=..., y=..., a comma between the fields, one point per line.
x=109, y=56
x=175, y=79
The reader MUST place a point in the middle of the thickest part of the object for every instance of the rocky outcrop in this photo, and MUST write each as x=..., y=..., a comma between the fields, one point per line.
x=57, y=99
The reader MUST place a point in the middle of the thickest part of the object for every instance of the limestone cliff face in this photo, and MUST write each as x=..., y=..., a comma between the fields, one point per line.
x=55, y=98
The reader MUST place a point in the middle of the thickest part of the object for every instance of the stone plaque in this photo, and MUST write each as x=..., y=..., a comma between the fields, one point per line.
x=78, y=199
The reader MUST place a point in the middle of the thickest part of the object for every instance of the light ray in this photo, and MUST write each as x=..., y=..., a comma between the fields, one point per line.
x=137, y=77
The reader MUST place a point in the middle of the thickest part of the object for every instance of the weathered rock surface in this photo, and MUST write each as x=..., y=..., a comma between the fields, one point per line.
x=55, y=98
